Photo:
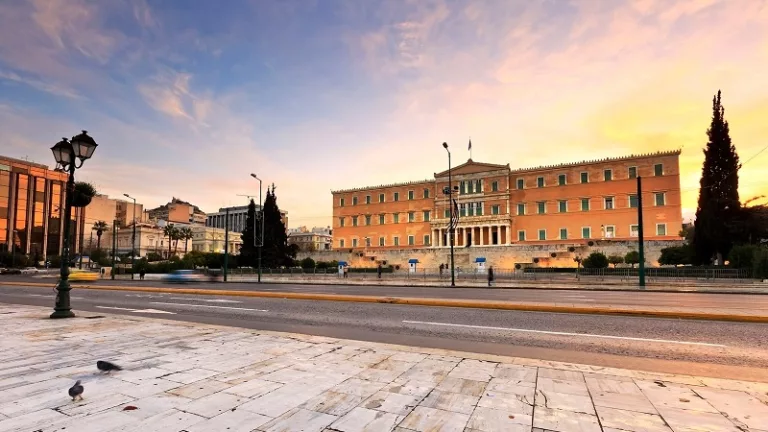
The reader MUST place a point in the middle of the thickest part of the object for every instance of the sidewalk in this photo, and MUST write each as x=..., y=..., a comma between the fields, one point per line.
x=191, y=377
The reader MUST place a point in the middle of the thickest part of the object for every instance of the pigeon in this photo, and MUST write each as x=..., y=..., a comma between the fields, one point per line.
x=76, y=391
x=107, y=367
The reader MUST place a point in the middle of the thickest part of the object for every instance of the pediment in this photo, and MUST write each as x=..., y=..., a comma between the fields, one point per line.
x=472, y=167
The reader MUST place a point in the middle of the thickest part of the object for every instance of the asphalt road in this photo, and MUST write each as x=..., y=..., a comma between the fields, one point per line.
x=699, y=301
x=709, y=348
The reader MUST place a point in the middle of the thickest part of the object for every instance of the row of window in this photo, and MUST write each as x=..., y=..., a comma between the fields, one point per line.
x=382, y=197
x=609, y=203
x=383, y=241
x=467, y=187
x=562, y=179
x=607, y=231
x=367, y=219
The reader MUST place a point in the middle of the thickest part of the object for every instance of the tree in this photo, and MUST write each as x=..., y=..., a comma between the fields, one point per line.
x=186, y=235
x=719, y=191
x=153, y=256
x=169, y=231
x=632, y=258
x=247, y=249
x=677, y=255
x=99, y=227
x=596, y=260
x=616, y=260
x=276, y=252
x=307, y=263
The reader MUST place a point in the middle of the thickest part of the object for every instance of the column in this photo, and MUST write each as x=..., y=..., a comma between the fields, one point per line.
x=436, y=237
x=509, y=234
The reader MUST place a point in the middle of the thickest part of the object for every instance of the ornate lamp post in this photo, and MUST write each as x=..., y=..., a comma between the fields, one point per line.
x=453, y=212
x=261, y=233
x=66, y=152
x=133, y=237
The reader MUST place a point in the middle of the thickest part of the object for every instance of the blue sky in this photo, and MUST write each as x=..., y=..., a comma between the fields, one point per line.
x=187, y=98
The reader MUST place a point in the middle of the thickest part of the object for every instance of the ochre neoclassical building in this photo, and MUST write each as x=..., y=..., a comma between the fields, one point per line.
x=567, y=204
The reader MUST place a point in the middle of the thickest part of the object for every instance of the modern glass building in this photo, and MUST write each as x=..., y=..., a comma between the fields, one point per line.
x=31, y=208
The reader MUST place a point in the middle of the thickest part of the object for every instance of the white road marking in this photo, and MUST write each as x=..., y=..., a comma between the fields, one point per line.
x=116, y=308
x=563, y=333
x=36, y=295
x=206, y=300
x=210, y=306
x=151, y=311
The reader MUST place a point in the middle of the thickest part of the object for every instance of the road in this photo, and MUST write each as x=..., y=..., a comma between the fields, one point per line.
x=708, y=348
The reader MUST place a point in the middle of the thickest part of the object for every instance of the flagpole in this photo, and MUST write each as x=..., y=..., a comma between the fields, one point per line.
x=470, y=147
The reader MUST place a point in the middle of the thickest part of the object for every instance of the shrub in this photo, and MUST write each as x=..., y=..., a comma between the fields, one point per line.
x=632, y=258
x=760, y=263
x=307, y=263
x=616, y=260
x=596, y=260
x=154, y=256
x=677, y=255
x=742, y=256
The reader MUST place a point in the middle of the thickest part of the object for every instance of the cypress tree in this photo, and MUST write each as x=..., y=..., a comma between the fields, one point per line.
x=718, y=203
x=276, y=251
x=247, y=250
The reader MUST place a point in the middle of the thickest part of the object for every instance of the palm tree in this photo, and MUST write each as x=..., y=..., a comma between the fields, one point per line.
x=176, y=238
x=186, y=235
x=99, y=227
x=169, y=231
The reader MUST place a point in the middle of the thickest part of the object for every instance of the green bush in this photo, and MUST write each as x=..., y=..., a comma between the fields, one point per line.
x=616, y=260
x=760, y=263
x=632, y=258
x=742, y=256
x=677, y=255
x=307, y=263
x=154, y=256
x=596, y=260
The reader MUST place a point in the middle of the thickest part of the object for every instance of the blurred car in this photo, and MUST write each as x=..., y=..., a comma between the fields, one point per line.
x=10, y=271
x=183, y=276
x=78, y=275
x=30, y=270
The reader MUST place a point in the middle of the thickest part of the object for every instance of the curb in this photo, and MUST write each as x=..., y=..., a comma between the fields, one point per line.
x=412, y=301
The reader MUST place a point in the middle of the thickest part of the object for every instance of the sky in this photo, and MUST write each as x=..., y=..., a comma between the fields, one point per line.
x=186, y=98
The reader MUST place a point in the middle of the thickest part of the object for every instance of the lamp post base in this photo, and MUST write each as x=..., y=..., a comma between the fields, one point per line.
x=63, y=313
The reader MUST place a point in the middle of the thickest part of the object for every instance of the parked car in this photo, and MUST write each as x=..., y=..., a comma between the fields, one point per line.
x=30, y=270
x=183, y=276
x=10, y=271
x=78, y=275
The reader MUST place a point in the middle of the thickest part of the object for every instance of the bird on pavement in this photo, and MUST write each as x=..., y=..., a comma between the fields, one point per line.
x=107, y=367
x=76, y=391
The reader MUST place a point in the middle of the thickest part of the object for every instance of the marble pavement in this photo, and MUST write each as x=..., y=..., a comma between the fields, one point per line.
x=203, y=378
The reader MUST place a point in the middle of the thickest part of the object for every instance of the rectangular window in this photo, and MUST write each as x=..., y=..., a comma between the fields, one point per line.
x=478, y=186
x=367, y=242
x=585, y=204
x=426, y=193
x=563, y=233
x=520, y=209
x=541, y=207
x=632, y=172
x=447, y=213
x=609, y=203
x=341, y=222
x=585, y=177
x=660, y=199
x=354, y=201
x=542, y=234
x=496, y=209
x=562, y=206
x=610, y=231
x=478, y=209
x=495, y=186
x=381, y=197
x=634, y=230
x=341, y=243
x=425, y=214
x=586, y=232
x=381, y=241
x=561, y=180
x=658, y=170
x=411, y=240
x=521, y=183
x=368, y=219
x=396, y=241
x=396, y=196
x=396, y=218
x=341, y=202
x=607, y=175
x=411, y=216
x=381, y=219
x=354, y=220
x=521, y=236
x=354, y=243
x=367, y=199
x=410, y=195
x=661, y=229
x=426, y=240
x=633, y=201
x=540, y=182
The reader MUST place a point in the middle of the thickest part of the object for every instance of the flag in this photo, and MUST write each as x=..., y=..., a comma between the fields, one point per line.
x=469, y=147
x=454, y=222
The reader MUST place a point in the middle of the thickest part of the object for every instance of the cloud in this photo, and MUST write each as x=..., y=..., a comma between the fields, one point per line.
x=40, y=85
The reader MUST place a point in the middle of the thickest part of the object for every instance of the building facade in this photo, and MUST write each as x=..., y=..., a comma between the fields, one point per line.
x=316, y=239
x=237, y=217
x=177, y=211
x=210, y=239
x=31, y=208
x=567, y=204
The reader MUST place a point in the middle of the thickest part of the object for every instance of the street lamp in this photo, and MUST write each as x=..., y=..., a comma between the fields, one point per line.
x=81, y=147
x=453, y=221
x=133, y=236
x=261, y=233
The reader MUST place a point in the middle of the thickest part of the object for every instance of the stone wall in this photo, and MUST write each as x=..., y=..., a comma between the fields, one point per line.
x=503, y=257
